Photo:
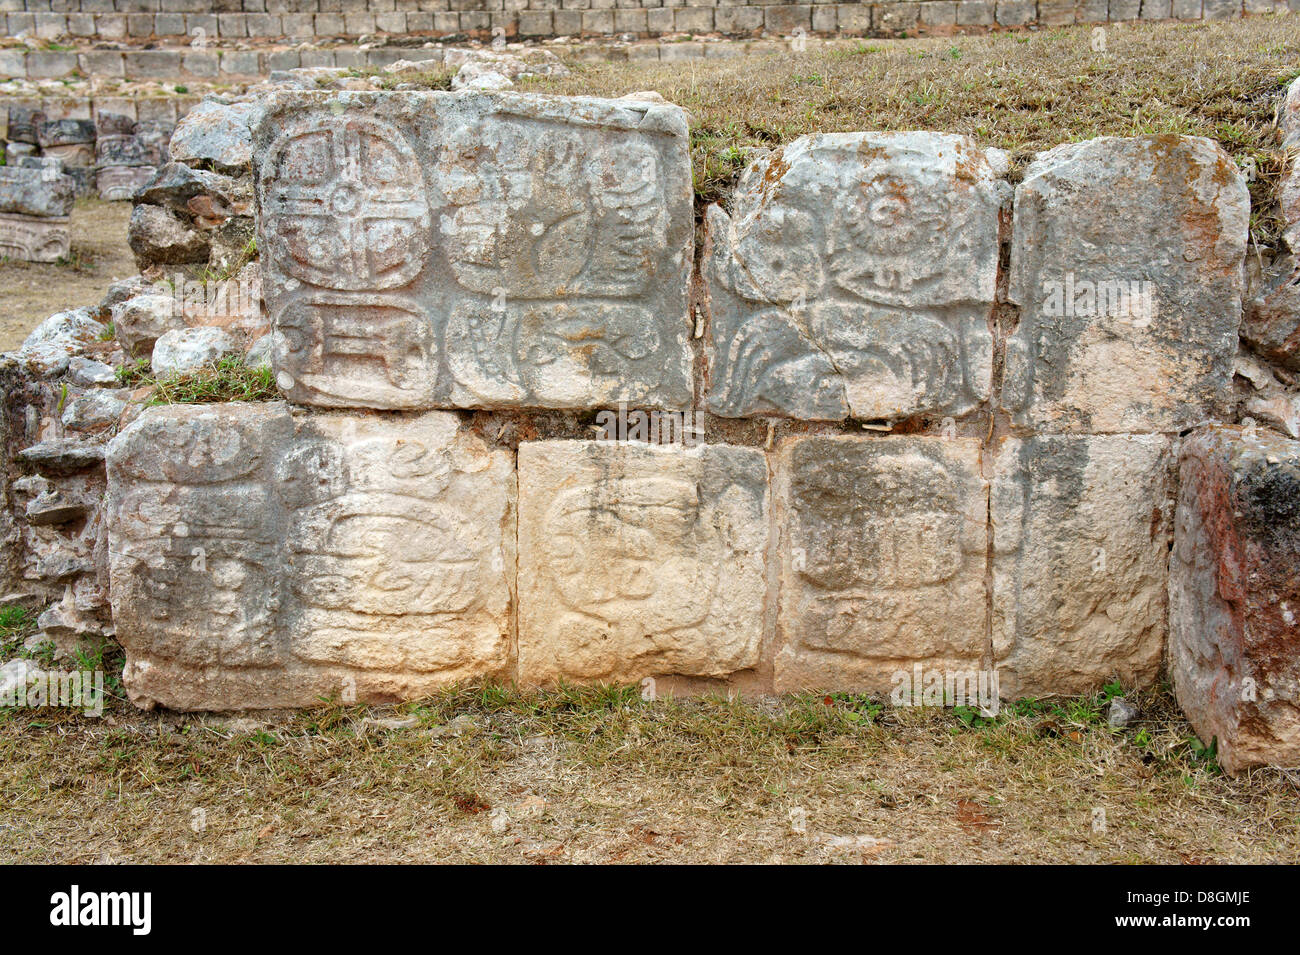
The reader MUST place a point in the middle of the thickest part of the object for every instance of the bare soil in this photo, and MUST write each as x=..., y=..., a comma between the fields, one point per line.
x=31, y=292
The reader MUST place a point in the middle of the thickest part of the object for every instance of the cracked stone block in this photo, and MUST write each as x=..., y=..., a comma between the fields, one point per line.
x=262, y=559
x=120, y=183
x=1234, y=594
x=639, y=560
x=431, y=249
x=855, y=277
x=36, y=191
x=35, y=239
x=1081, y=528
x=883, y=553
x=1126, y=262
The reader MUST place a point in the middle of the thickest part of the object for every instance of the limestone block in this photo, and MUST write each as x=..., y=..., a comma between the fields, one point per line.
x=120, y=183
x=1126, y=262
x=639, y=560
x=476, y=250
x=883, y=556
x=1081, y=527
x=34, y=239
x=260, y=559
x=1234, y=594
x=216, y=133
x=855, y=276
x=32, y=191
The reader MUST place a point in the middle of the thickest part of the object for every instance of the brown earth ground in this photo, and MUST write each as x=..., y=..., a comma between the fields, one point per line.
x=487, y=774
x=31, y=292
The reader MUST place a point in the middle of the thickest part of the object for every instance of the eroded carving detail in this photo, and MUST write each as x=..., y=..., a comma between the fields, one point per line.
x=855, y=277
x=883, y=562
x=544, y=262
x=327, y=552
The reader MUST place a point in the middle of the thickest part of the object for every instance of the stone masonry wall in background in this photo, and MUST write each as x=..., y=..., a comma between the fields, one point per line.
x=918, y=417
x=192, y=26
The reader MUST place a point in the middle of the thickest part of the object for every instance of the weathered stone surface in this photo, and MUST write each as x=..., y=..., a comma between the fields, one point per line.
x=1234, y=595
x=855, y=276
x=216, y=133
x=639, y=560
x=53, y=343
x=1081, y=527
x=883, y=560
x=140, y=321
x=260, y=559
x=35, y=239
x=1289, y=188
x=120, y=151
x=64, y=132
x=1272, y=323
x=475, y=250
x=158, y=237
x=1126, y=262
x=184, y=350
x=119, y=183
x=29, y=191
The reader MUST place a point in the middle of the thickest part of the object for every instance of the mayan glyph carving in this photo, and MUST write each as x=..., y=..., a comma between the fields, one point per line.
x=638, y=560
x=476, y=250
x=855, y=276
x=265, y=559
x=1126, y=262
x=882, y=559
x=1081, y=528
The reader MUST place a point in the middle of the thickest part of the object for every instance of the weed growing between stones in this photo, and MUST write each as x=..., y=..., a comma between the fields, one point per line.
x=228, y=379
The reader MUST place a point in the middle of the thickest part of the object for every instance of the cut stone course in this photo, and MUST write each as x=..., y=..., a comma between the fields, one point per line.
x=1234, y=595
x=262, y=559
x=1127, y=264
x=476, y=250
x=855, y=277
x=882, y=560
x=639, y=560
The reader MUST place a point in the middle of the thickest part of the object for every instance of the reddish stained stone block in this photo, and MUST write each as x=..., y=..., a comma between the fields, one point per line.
x=1234, y=594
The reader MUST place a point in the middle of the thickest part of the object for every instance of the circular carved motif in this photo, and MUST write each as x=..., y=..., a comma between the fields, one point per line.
x=346, y=205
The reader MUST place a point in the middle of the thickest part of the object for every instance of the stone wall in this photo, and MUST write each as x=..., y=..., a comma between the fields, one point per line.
x=884, y=410
x=231, y=20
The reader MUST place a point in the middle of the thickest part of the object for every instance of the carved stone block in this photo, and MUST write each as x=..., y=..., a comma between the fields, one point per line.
x=476, y=250
x=260, y=559
x=33, y=239
x=883, y=555
x=1234, y=594
x=1126, y=262
x=855, y=277
x=639, y=560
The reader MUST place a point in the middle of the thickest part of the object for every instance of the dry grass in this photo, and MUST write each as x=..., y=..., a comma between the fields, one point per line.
x=1022, y=92
x=597, y=775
